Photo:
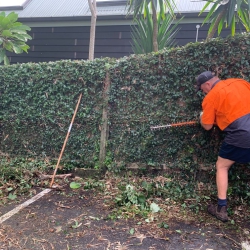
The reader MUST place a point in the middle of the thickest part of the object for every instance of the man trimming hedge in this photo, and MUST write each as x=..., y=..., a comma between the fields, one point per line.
x=227, y=105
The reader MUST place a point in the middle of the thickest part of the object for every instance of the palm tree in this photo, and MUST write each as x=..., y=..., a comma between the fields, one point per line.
x=142, y=33
x=139, y=7
x=226, y=12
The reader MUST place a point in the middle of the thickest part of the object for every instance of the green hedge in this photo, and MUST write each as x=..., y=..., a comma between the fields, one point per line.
x=38, y=101
x=158, y=89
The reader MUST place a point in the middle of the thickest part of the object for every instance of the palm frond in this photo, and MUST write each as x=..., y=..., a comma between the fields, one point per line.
x=221, y=24
x=142, y=34
x=228, y=13
x=231, y=12
x=167, y=32
x=137, y=7
x=233, y=26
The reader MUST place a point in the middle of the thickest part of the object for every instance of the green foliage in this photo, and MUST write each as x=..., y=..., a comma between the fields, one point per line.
x=158, y=89
x=13, y=36
x=222, y=14
x=17, y=176
x=38, y=101
x=93, y=184
x=142, y=33
x=12, y=196
x=131, y=196
x=41, y=98
x=141, y=195
x=167, y=31
x=75, y=185
x=239, y=185
x=138, y=6
x=245, y=19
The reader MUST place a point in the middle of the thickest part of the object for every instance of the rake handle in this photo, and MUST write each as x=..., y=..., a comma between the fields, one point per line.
x=65, y=141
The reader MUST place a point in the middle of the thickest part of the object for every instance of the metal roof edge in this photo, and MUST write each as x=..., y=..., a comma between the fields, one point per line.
x=110, y=17
x=73, y=18
x=11, y=8
x=111, y=3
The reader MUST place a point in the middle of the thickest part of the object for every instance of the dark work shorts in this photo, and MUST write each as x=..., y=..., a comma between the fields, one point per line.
x=230, y=152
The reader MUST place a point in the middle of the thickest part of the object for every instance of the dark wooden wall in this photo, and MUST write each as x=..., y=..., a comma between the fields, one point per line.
x=56, y=43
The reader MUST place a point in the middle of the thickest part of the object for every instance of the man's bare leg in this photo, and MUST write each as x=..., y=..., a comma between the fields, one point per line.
x=222, y=167
x=220, y=209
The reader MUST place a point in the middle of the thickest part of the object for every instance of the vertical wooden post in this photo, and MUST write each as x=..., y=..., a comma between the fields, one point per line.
x=104, y=125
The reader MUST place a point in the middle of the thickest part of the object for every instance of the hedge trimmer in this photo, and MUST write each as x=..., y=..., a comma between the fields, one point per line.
x=174, y=125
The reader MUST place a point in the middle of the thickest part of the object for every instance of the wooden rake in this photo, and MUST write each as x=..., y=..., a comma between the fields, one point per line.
x=65, y=141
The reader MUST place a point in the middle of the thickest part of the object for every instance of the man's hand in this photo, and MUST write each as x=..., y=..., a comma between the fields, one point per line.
x=205, y=126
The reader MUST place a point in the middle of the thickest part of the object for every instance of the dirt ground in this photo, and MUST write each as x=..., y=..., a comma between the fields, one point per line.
x=78, y=220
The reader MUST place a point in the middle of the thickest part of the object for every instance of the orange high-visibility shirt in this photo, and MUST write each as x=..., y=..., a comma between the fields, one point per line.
x=227, y=101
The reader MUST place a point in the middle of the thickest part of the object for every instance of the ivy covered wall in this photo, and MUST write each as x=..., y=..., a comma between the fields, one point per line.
x=37, y=105
x=158, y=89
x=38, y=101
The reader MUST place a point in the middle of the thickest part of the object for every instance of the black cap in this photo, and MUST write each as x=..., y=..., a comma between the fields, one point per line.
x=202, y=78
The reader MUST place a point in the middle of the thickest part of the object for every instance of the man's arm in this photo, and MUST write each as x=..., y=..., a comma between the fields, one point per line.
x=205, y=126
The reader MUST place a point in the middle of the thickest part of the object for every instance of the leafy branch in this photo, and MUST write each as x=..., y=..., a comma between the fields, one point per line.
x=13, y=36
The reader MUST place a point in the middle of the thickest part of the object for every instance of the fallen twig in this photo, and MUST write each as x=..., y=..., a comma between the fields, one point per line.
x=235, y=242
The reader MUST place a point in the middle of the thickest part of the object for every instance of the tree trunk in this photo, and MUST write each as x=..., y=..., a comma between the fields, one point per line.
x=216, y=24
x=92, y=6
x=155, y=30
